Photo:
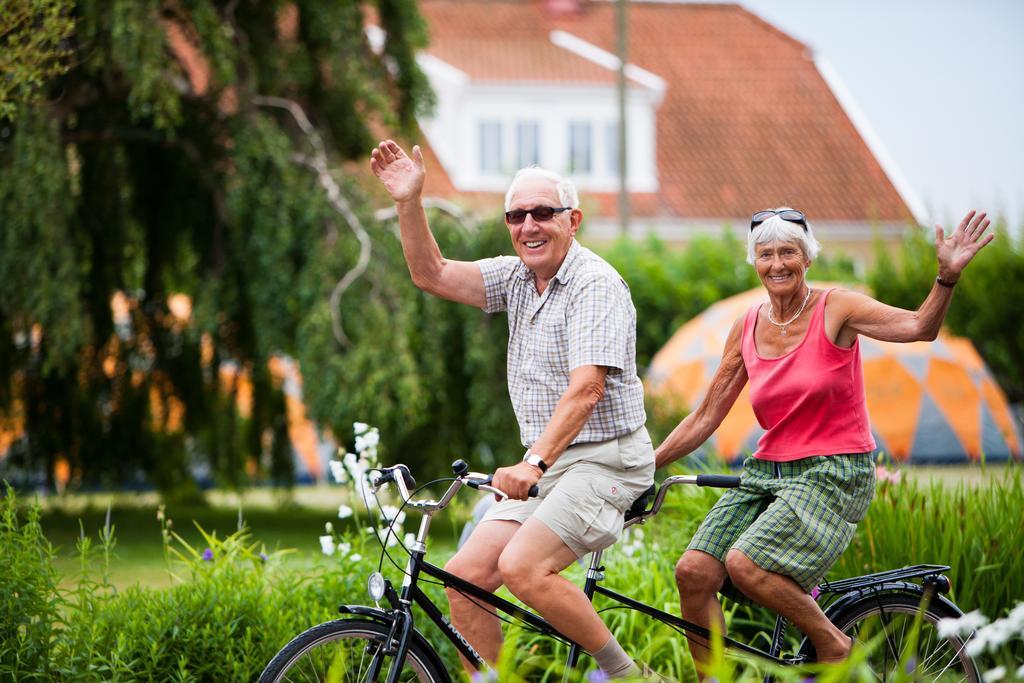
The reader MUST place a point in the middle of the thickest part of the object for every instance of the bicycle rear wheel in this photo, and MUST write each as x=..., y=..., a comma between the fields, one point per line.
x=895, y=616
x=348, y=650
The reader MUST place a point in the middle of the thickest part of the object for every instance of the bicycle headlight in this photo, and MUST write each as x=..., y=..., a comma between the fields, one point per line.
x=375, y=586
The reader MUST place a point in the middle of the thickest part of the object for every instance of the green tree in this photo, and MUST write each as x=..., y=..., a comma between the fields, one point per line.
x=33, y=48
x=185, y=151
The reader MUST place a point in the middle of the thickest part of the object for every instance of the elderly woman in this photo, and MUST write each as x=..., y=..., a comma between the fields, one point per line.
x=812, y=477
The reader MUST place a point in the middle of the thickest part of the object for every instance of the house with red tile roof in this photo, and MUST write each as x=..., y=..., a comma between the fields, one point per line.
x=726, y=115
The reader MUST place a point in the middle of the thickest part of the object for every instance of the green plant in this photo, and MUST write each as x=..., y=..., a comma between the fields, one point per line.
x=29, y=601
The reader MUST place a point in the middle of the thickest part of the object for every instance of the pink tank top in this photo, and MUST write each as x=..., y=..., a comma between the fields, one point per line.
x=811, y=400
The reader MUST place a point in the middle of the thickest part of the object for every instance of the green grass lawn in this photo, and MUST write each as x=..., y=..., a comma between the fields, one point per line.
x=275, y=522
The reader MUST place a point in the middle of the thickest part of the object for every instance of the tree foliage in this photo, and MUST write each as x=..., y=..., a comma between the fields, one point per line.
x=152, y=168
x=33, y=48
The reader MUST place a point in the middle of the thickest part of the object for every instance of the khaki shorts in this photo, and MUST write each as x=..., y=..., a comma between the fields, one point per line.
x=584, y=495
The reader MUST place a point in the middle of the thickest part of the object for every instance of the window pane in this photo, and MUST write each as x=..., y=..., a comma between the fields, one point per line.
x=490, y=146
x=612, y=142
x=579, y=147
x=528, y=143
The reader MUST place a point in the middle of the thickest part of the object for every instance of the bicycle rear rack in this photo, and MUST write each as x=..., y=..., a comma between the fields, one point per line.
x=868, y=580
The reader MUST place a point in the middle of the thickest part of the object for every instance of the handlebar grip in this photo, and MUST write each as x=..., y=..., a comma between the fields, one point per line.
x=410, y=481
x=476, y=483
x=720, y=481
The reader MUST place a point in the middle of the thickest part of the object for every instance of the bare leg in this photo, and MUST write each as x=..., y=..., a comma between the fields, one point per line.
x=786, y=597
x=477, y=562
x=699, y=577
x=530, y=567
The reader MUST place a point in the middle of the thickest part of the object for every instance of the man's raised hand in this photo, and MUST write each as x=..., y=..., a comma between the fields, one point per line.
x=401, y=175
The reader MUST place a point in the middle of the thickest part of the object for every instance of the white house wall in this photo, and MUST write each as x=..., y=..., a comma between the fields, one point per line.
x=453, y=131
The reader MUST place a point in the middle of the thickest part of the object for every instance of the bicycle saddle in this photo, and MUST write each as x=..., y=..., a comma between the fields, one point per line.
x=639, y=505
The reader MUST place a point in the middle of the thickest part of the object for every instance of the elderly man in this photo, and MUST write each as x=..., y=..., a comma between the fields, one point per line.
x=573, y=383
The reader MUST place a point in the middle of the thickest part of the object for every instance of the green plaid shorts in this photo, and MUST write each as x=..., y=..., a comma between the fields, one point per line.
x=792, y=518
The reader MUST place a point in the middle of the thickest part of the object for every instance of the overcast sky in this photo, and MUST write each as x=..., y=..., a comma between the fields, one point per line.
x=941, y=83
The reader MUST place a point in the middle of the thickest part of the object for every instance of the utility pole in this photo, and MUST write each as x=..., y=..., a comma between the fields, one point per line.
x=622, y=30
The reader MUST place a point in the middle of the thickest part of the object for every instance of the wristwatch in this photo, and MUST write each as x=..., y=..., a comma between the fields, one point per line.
x=536, y=461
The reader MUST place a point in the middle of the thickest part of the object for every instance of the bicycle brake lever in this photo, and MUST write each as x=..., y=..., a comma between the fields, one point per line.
x=498, y=492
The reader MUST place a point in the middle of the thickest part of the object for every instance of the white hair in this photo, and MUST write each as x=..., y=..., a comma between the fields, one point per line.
x=775, y=228
x=566, y=190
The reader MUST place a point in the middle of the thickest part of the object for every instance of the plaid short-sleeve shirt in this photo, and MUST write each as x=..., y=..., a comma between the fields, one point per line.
x=584, y=317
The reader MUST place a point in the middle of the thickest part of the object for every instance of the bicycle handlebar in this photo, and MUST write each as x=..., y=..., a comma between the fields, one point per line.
x=405, y=481
x=485, y=485
x=722, y=481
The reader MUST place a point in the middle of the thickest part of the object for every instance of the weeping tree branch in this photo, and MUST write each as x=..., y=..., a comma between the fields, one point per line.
x=318, y=163
x=463, y=218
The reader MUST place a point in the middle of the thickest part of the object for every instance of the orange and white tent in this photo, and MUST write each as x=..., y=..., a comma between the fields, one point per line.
x=927, y=401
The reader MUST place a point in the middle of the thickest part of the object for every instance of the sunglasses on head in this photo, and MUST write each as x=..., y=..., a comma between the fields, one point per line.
x=539, y=213
x=790, y=215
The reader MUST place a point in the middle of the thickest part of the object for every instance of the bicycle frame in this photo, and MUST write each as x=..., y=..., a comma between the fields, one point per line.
x=402, y=618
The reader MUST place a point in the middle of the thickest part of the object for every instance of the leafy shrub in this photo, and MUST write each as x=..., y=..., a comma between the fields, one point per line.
x=28, y=592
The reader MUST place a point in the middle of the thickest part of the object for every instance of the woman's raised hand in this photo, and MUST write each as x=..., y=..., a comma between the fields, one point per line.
x=957, y=250
x=401, y=175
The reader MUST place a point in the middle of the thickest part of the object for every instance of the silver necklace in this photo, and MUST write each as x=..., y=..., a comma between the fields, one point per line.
x=782, y=326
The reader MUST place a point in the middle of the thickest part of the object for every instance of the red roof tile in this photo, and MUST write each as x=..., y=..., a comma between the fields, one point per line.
x=747, y=121
x=533, y=58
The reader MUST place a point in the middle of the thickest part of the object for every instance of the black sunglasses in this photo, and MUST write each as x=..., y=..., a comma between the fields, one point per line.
x=790, y=215
x=539, y=213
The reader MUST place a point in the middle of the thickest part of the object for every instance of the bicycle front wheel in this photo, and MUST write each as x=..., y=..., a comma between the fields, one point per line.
x=887, y=623
x=348, y=650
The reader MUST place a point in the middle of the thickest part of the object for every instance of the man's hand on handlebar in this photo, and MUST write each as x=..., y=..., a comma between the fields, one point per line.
x=516, y=480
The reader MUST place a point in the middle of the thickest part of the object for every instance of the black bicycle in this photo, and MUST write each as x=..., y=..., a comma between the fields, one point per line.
x=897, y=611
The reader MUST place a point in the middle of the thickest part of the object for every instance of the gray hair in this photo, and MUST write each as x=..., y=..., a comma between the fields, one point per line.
x=565, y=188
x=776, y=228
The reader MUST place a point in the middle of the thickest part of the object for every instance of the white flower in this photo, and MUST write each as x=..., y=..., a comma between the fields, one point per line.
x=338, y=472
x=351, y=461
x=392, y=514
x=344, y=549
x=1020, y=672
x=996, y=674
x=1016, y=617
x=971, y=621
x=366, y=444
x=409, y=539
x=344, y=512
x=355, y=558
x=329, y=528
x=359, y=428
x=327, y=545
x=369, y=530
x=392, y=540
